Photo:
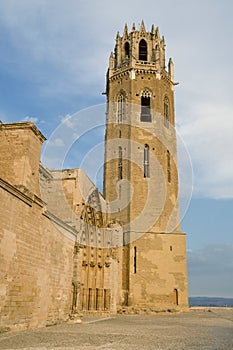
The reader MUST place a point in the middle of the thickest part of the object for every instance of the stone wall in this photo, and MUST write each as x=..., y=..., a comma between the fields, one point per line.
x=20, y=145
x=158, y=276
x=56, y=256
x=36, y=263
x=36, y=248
x=72, y=196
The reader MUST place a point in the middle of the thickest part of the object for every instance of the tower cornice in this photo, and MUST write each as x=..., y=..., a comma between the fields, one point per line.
x=139, y=70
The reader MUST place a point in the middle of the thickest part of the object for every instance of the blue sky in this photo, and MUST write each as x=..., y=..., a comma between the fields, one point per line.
x=54, y=57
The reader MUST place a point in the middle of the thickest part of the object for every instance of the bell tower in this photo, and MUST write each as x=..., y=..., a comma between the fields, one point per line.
x=141, y=173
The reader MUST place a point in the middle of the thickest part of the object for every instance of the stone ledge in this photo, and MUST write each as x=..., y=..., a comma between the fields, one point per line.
x=22, y=193
x=24, y=125
x=16, y=192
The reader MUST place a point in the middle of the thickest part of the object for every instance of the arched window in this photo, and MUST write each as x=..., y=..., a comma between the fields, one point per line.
x=145, y=106
x=168, y=166
x=175, y=297
x=120, y=107
x=126, y=49
x=146, y=161
x=166, y=112
x=120, y=163
x=143, y=50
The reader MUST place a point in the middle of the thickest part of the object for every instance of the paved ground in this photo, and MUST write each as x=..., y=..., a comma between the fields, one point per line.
x=197, y=329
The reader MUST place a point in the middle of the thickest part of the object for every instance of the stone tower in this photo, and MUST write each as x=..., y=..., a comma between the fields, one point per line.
x=141, y=174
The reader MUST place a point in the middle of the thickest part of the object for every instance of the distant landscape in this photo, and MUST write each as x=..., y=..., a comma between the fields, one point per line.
x=211, y=301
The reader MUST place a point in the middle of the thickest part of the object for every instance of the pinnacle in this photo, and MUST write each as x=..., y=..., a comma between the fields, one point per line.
x=126, y=31
x=142, y=27
x=157, y=34
x=153, y=29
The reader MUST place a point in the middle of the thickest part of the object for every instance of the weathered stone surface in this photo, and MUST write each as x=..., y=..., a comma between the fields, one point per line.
x=64, y=248
x=141, y=149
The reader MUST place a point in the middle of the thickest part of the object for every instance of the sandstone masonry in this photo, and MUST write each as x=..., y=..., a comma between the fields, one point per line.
x=65, y=248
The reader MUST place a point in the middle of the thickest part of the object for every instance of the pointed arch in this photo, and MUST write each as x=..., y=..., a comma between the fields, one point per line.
x=127, y=49
x=146, y=106
x=143, y=50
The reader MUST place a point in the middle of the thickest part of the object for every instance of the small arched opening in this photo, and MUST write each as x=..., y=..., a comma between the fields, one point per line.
x=145, y=106
x=143, y=50
x=175, y=297
x=127, y=49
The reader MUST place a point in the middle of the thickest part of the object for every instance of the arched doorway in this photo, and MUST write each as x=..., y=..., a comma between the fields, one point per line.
x=175, y=297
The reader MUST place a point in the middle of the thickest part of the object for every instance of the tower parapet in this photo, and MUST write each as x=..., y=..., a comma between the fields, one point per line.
x=140, y=50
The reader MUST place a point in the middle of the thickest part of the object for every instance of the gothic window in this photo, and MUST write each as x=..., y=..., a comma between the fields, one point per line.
x=145, y=106
x=126, y=49
x=168, y=166
x=143, y=50
x=120, y=163
x=166, y=112
x=146, y=161
x=120, y=107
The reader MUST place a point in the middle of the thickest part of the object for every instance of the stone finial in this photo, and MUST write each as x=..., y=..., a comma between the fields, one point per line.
x=118, y=38
x=153, y=29
x=126, y=33
x=157, y=34
x=142, y=28
x=171, y=69
x=163, y=42
x=111, y=61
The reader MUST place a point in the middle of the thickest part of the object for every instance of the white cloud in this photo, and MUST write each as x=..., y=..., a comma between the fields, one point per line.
x=68, y=121
x=30, y=119
x=208, y=135
x=58, y=142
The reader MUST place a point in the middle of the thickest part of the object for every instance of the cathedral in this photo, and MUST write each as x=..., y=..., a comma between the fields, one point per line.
x=65, y=248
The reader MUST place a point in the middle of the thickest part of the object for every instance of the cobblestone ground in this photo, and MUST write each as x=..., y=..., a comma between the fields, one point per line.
x=197, y=329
